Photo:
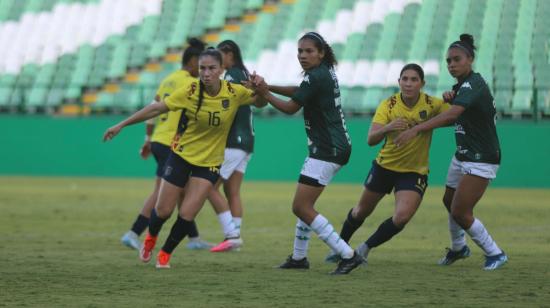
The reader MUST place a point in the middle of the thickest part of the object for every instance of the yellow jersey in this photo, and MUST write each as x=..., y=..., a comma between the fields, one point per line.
x=166, y=124
x=413, y=156
x=201, y=136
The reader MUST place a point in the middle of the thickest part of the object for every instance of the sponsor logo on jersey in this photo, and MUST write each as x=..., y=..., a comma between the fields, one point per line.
x=459, y=129
x=466, y=85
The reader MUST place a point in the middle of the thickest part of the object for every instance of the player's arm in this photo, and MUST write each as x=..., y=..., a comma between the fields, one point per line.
x=262, y=93
x=378, y=131
x=287, y=91
x=145, y=150
x=290, y=107
x=443, y=119
x=148, y=112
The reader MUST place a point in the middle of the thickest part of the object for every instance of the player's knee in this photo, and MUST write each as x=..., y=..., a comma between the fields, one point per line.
x=400, y=220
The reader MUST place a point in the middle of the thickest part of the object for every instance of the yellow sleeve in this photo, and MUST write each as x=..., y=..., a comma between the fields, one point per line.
x=442, y=106
x=381, y=115
x=245, y=96
x=180, y=98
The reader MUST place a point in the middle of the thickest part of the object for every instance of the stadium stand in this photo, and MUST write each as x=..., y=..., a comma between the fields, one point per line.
x=81, y=56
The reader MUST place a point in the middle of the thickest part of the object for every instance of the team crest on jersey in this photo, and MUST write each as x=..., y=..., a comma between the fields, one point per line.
x=225, y=103
x=423, y=114
x=306, y=78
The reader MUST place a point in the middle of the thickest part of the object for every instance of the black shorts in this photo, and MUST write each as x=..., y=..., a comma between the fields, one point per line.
x=177, y=171
x=382, y=180
x=161, y=153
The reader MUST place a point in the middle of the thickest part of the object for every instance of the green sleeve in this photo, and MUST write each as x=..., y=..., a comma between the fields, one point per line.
x=306, y=91
x=467, y=94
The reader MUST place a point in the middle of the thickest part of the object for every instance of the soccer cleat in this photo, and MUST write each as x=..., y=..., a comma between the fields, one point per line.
x=229, y=244
x=333, y=257
x=148, y=246
x=198, y=244
x=295, y=264
x=163, y=259
x=347, y=265
x=494, y=262
x=130, y=239
x=453, y=256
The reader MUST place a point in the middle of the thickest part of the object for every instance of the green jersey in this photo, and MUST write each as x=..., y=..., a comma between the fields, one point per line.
x=319, y=95
x=475, y=130
x=241, y=135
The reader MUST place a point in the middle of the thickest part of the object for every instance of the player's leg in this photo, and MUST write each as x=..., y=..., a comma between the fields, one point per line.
x=232, y=190
x=168, y=197
x=409, y=190
x=131, y=238
x=469, y=191
x=160, y=153
x=198, y=189
x=172, y=187
x=355, y=218
x=458, y=249
x=315, y=175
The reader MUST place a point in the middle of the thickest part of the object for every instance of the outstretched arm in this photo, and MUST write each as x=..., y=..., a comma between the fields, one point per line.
x=287, y=91
x=147, y=112
x=262, y=90
x=442, y=119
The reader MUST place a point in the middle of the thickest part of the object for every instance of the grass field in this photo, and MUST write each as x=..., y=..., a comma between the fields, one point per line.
x=60, y=247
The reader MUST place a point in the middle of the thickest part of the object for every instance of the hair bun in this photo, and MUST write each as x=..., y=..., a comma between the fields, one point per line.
x=196, y=43
x=468, y=39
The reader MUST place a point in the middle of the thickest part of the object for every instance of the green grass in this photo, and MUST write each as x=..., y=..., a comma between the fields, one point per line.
x=60, y=247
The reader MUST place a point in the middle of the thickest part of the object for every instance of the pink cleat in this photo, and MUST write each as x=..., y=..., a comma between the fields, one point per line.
x=230, y=244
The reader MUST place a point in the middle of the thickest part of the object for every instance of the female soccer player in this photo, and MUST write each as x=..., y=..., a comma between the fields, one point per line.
x=477, y=157
x=401, y=169
x=239, y=148
x=208, y=108
x=158, y=139
x=329, y=147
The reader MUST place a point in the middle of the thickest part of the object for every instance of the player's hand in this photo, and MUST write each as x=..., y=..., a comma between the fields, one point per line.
x=397, y=124
x=448, y=96
x=405, y=137
x=145, y=150
x=112, y=132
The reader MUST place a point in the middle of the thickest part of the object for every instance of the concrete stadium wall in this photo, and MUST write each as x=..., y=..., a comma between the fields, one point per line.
x=41, y=145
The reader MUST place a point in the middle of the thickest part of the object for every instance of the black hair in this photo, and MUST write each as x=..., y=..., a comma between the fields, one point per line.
x=415, y=67
x=466, y=43
x=231, y=46
x=194, y=49
x=329, y=59
x=214, y=53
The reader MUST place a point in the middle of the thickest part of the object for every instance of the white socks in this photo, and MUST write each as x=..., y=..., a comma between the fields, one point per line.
x=237, y=221
x=458, y=238
x=326, y=232
x=301, y=240
x=228, y=226
x=482, y=238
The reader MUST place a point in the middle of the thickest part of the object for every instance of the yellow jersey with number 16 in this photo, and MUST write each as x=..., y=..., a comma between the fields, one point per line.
x=201, y=135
